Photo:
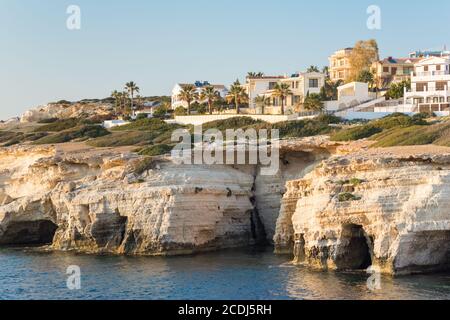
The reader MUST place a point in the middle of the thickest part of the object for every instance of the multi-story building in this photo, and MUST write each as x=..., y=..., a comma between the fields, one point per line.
x=429, y=53
x=300, y=85
x=430, y=84
x=178, y=102
x=257, y=86
x=392, y=70
x=340, y=67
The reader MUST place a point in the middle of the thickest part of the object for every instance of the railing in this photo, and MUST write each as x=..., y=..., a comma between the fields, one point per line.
x=429, y=89
x=431, y=73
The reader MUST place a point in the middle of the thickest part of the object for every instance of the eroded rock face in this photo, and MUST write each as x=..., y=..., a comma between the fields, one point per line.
x=99, y=204
x=356, y=211
x=65, y=111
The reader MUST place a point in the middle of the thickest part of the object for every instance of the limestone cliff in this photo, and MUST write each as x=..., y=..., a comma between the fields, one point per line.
x=390, y=211
x=67, y=110
x=98, y=203
x=96, y=200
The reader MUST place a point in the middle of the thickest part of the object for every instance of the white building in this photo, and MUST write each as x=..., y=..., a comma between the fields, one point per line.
x=177, y=102
x=351, y=95
x=430, y=83
x=258, y=86
x=300, y=85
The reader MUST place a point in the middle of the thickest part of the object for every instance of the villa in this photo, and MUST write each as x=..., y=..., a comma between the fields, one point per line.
x=430, y=86
x=258, y=86
x=393, y=70
x=177, y=102
x=340, y=68
x=300, y=85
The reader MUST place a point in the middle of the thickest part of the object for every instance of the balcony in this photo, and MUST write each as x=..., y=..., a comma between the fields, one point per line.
x=431, y=73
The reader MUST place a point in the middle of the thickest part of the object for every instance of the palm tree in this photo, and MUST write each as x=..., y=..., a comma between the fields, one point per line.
x=262, y=102
x=210, y=94
x=132, y=88
x=237, y=94
x=313, y=69
x=116, y=96
x=313, y=102
x=282, y=91
x=188, y=94
x=255, y=74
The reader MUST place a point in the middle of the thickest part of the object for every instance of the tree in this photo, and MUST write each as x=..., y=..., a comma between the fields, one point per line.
x=255, y=75
x=132, y=88
x=139, y=101
x=160, y=112
x=313, y=102
x=363, y=55
x=397, y=90
x=237, y=95
x=180, y=111
x=282, y=91
x=330, y=90
x=367, y=77
x=188, y=94
x=313, y=69
x=210, y=94
x=116, y=96
x=262, y=102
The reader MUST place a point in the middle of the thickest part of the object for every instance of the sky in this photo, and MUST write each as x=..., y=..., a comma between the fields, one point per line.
x=160, y=43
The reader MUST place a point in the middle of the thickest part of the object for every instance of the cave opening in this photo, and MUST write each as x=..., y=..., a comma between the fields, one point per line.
x=355, y=252
x=29, y=233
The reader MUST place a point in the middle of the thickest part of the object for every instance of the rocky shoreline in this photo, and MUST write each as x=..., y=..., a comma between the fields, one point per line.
x=332, y=206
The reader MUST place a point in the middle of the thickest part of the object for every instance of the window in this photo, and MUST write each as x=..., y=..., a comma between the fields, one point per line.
x=438, y=67
x=407, y=70
x=420, y=86
x=440, y=86
x=272, y=85
x=313, y=83
x=425, y=68
x=393, y=71
x=386, y=69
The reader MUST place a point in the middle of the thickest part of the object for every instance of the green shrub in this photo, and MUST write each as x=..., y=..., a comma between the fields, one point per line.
x=180, y=111
x=146, y=124
x=47, y=121
x=232, y=123
x=59, y=125
x=355, y=181
x=119, y=139
x=144, y=165
x=344, y=197
x=356, y=133
x=156, y=150
x=82, y=133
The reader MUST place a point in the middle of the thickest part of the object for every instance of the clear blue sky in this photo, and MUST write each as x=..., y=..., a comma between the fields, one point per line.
x=158, y=43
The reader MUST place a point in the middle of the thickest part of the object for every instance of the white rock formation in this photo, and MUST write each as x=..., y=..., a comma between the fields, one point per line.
x=356, y=211
x=98, y=204
x=64, y=111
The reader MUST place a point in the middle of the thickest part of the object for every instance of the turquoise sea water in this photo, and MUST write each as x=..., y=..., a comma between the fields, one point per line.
x=231, y=274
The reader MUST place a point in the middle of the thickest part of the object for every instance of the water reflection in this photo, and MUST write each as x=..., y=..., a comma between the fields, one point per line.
x=233, y=274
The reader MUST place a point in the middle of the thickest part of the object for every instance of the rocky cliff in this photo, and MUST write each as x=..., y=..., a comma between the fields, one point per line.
x=95, y=200
x=67, y=110
x=388, y=210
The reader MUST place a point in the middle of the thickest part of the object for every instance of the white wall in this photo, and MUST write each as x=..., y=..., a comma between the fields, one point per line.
x=199, y=120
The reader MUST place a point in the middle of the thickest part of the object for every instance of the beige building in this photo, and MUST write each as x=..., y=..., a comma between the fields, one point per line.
x=300, y=84
x=392, y=70
x=340, y=65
